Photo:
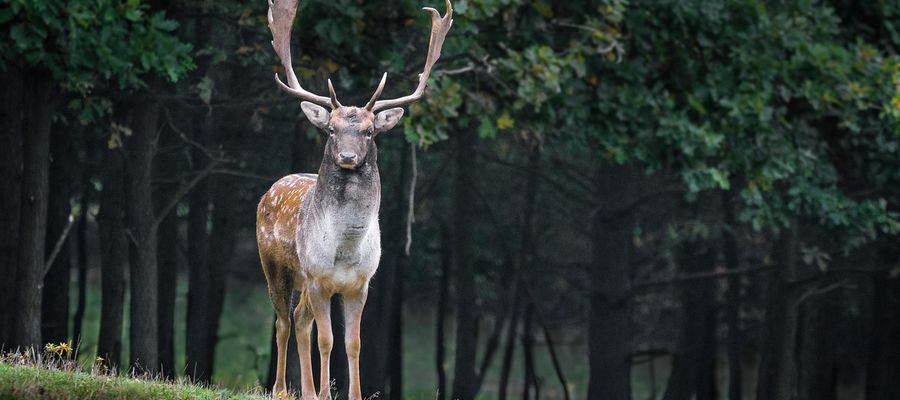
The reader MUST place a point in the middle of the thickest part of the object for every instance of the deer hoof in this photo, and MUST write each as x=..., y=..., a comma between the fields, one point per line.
x=309, y=396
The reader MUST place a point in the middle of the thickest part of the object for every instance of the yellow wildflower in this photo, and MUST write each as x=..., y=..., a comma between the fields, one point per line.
x=65, y=347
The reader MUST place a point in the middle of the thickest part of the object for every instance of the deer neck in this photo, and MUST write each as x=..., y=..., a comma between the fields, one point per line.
x=349, y=199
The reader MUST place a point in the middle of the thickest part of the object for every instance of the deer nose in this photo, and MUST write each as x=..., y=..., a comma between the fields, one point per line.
x=347, y=158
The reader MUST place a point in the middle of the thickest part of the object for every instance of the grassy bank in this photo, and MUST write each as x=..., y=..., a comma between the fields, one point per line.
x=37, y=382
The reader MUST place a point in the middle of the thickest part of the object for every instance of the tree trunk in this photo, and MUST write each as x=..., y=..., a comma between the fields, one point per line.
x=554, y=359
x=707, y=388
x=395, y=361
x=199, y=277
x=693, y=363
x=79, y=242
x=198, y=284
x=200, y=334
x=883, y=366
x=441, y=314
x=168, y=282
x=114, y=257
x=526, y=255
x=11, y=124
x=208, y=291
x=380, y=342
x=815, y=363
x=144, y=313
x=401, y=259
x=169, y=165
x=64, y=172
x=79, y=245
x=508, y=352
x=609, y=337
x=777, y=369
x=732, y=300
x=33, y=214
x=530, y=380
x=467, y=324
x=197, y=355
x=375, y=329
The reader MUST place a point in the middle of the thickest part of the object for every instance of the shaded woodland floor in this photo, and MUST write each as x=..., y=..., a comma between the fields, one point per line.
x=243, y=352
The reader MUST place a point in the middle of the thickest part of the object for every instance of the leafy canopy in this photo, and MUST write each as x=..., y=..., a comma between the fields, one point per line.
x=83, y=44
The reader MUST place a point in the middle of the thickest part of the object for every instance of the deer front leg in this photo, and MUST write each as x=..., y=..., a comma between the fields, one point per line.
x=353, y=307
x=303, y=319
x=321, y=307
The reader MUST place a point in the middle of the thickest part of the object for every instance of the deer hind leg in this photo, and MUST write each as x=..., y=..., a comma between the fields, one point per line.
x=320, y=302
x=282, y=334
x=280, y=291
x=303, y=319
x=353, y=308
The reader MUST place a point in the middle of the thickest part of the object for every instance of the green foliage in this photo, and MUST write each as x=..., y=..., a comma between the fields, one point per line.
x=769, y=97
x=534, y=60
x=84, y=44
x=431, y=120
x=765, y=95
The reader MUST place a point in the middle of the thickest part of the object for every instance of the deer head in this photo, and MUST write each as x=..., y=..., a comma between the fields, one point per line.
x=351, y=129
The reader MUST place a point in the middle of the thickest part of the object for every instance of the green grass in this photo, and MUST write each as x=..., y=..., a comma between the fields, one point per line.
x=40, y=382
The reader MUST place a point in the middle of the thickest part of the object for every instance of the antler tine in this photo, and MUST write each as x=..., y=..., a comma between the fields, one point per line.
x=281, y=19
x=371, y=103
x=334, y=101
x=439, y=28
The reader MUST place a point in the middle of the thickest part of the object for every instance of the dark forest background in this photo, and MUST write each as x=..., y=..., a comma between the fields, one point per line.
x=596, y=199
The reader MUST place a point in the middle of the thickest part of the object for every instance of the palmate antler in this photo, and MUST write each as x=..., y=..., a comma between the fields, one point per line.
x=281, y=20
x=439, y=28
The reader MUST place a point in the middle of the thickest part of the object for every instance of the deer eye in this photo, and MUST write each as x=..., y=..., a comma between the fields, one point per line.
x=369, y=133
x=331, y=131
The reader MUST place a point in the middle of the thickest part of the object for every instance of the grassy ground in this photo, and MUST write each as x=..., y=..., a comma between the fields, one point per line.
x=41, y=382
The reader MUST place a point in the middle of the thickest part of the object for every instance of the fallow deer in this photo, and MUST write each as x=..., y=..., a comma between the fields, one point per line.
x=319, y=234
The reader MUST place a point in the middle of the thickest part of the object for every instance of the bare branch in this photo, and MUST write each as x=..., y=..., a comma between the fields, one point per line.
x=457, y=71
x=58, y=246
x=231, y=172
x=582, y=199
x=550, y=347
x=613, y=44
x=183, y=191
x=214, y=155
x=818, y=291
x=410, y=215
x=699, y=276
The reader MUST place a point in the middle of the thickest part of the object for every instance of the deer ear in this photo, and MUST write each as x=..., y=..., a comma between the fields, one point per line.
x=316, y=114
x=387, y=119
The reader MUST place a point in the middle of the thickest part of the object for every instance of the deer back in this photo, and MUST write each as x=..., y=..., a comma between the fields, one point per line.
x=277, y=216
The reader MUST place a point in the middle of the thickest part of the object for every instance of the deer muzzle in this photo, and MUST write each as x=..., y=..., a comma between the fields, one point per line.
x=348, y=160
